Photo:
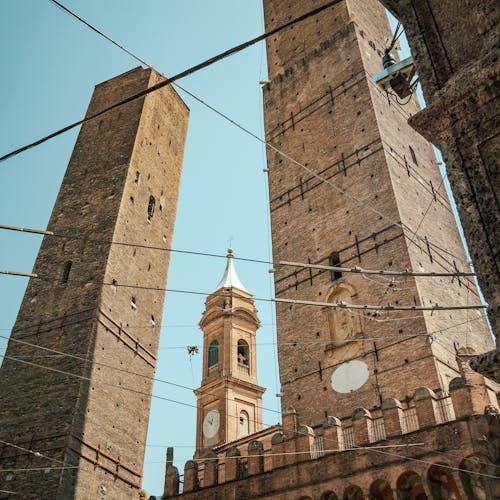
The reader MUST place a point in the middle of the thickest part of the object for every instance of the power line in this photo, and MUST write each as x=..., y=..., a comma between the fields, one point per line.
x=427, y=211
x=18, y=273
x=81, y=357
x=308, y=452
x=168, y=81
x=10, y=492
x=338, y=305
x=347, y=271
x=355, y=269
x=444, y=466
x=292, y=343
x=358, y=201
x=211, y=61
x=380, y=272
x=39, y=468
x=388, y=307
x=32, y=452
x=150, y=395
x=350, y=449
x=86, y=359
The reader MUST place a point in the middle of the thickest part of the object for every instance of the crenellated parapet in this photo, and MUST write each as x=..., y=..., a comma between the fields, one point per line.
x=426, y=417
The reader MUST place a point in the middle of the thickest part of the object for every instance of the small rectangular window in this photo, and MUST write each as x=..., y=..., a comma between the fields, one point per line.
x=151, y=207
x=67, y=270
x=413, y=155
x=334, y=261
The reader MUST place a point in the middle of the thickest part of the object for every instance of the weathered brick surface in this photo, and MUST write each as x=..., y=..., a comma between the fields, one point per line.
x=323, y=109
x=455, y=46
x=394, y=472
x=315, y=462
x=77, y=410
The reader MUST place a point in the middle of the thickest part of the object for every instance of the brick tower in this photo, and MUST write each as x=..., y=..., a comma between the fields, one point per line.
x=229, y=399
x=77, y=421
x=324, y=110
x=376, y=404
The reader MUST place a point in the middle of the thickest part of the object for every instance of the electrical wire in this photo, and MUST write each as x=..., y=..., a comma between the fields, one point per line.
x=356, y=447
x=109, y=384
x=444, y=466
x=32, y=452
x=338, y=305
x=200, y=66
x=371, y=448
x=116, y=368
x=169, y=80
x=39, y=468
x=428, y=208
x=308, y=452
x=355, y=269
x=258, y=344
x=342, y=191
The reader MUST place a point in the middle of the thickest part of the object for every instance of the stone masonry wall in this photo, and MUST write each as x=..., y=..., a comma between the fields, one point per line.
x=322, y=109
x=455, y=47
x=74, y=409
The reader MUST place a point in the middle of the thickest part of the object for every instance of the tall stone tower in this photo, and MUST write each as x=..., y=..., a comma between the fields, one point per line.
x=229, y=399
x=378, y=178
x=77, y=378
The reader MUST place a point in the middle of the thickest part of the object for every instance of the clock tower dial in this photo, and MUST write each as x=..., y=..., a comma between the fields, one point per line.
x=211, y=424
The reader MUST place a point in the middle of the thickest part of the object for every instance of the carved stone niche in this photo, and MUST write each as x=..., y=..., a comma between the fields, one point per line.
x=344, y=324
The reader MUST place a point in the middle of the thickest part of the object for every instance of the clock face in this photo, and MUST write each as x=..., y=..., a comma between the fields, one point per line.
x=211, y=423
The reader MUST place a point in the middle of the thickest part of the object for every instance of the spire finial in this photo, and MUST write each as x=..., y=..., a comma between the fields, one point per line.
x=230, y=278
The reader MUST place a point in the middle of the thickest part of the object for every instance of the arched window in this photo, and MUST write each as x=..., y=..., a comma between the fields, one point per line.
x=380, y=489
x=329, y=495
x=334, y=261
x=213, y=353
x=244, y=424
x=441, y=483
x=151, y=207
x=243, y=353
x=410, y=486
x=353, y=492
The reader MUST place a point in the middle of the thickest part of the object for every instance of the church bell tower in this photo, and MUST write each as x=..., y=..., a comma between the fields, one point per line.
x=229, y=399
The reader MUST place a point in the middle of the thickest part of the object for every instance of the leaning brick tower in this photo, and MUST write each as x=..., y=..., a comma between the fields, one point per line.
x=370, y=182
x=76, y=382
x=378, y=404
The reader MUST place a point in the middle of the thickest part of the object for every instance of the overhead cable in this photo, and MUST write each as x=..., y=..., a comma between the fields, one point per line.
x=169, y=80
x=109, y=384
x=116, y=368
x=18, y=273
x=334, y=305
x=196, y=68
x=355, y=269
x=32, y=452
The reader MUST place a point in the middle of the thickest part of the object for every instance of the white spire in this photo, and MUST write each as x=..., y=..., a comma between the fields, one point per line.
x=230, y=278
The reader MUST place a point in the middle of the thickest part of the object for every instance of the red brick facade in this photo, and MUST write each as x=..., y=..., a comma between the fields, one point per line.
x=365, y=181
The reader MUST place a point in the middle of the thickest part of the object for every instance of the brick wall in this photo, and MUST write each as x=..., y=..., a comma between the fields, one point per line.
x=323, y=109
x=77, y=410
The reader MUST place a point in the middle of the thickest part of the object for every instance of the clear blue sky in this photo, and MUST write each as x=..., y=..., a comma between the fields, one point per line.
x=50, y=66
